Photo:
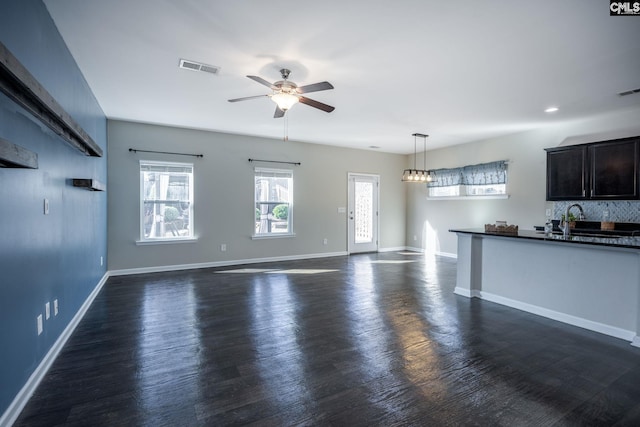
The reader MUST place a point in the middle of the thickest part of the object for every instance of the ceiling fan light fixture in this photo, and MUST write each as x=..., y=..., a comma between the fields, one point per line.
x=284, y=100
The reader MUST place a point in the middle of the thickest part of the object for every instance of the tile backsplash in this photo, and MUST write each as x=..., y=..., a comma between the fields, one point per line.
x=619, y=210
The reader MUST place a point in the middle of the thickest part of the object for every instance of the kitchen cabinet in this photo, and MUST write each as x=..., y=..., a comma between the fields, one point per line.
x=614, y=170
x=606, y=170
x=567, y=173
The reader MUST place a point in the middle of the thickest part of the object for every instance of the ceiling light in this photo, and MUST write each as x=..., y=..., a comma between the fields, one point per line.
x=551, y=110
x=415, y=174
x=284, y=100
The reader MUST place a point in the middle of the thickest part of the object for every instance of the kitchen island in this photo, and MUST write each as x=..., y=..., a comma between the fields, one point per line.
x=588, y=281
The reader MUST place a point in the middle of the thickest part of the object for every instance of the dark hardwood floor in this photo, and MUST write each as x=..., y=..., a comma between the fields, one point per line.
x=374, y=339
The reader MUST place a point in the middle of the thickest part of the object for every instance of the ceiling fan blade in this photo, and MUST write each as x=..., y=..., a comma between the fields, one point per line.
x=315, y=87
x=262, y=81
x=316, y=104
x=279, y=113
x=246, y=97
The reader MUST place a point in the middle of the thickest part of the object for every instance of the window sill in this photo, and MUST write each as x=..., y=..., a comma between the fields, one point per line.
x=272, y=236
x=492, y=197
x=166, y=241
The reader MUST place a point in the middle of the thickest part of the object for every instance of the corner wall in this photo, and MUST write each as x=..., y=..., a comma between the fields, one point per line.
x=54, y=256
x=223, y=206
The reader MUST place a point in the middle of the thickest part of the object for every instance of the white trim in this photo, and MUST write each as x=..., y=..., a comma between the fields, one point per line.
x=272, y=236
x=158, y=269
x=561, y=317
x=447, y=255
x=467, y=292
x=492, y=197
x=636, y=341
x=414, y=249
x=396, y=249
x=27, y=390
x=166, y=241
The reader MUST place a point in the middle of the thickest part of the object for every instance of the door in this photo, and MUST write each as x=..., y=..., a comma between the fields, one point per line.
x=362, y=213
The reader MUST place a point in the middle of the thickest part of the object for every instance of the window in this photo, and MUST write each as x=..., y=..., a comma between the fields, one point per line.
x=483, y=180
x=273, y=202
x=166, y=205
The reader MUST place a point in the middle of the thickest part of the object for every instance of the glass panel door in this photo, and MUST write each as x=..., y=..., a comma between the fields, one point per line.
x=363, y=213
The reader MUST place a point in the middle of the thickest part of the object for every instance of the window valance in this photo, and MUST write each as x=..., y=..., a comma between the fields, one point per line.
x=480, y=174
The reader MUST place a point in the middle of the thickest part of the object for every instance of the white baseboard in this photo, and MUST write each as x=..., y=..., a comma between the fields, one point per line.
x=563, y=317
x=636, y=341
x=158, y=269
x=23, y=396
x=411, y=248
x=436, y=253
x=447, y=255
x=467, y=292
x=396, y=249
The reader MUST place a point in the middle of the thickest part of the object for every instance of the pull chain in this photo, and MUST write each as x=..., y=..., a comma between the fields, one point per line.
x=286, y=127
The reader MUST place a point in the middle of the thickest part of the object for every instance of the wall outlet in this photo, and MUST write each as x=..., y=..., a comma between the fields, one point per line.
x=46, y=206
x=415, y=237
x=342, y=210
x=101, y=261
x=55, y=307
x=47, y=310
x=39, y=323
x=547, y=213
x=325, y=241
x=223, y=247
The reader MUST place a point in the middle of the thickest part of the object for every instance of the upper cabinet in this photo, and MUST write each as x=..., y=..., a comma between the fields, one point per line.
x=606, y=170
x=567, y=173
x=614, y=170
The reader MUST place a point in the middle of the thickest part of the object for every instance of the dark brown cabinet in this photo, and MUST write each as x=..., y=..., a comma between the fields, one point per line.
x=567, y=173
x=614, y=170
x=606, y=170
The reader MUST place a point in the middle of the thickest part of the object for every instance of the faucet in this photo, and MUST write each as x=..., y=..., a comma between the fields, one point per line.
x=566, y=230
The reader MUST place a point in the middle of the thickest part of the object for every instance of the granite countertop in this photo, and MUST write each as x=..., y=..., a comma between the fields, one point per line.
x=589, y=239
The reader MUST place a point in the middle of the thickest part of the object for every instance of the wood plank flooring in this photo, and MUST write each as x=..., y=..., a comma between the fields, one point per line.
x=364, y=340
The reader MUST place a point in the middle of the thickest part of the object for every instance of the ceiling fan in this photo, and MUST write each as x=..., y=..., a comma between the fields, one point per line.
x=286, y=93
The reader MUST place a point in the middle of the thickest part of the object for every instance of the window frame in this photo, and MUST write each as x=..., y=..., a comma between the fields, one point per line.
x=190, y=237
x=257, y=171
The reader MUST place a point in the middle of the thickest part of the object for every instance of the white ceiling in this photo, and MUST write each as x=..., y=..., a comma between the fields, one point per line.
x=458, y=71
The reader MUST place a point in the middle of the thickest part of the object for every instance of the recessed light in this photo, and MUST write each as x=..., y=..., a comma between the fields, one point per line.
x=551, y=110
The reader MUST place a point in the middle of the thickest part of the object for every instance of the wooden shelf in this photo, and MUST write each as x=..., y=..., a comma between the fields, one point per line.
x=22, y=87
x=89, y=184
x=14, y=156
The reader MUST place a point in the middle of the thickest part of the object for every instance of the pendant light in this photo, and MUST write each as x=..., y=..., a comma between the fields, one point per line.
x=415, y=174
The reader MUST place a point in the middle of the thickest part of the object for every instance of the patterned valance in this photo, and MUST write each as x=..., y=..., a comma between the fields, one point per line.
x=481, y=174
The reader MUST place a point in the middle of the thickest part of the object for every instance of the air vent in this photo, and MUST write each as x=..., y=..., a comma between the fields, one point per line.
x=198, y=66
x=630, y=92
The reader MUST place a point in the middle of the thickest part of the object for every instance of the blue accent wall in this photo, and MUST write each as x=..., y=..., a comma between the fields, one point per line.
x=55, y=256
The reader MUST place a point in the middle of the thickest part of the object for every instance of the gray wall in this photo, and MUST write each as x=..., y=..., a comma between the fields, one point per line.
x=429, y=220
x=224, y=196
